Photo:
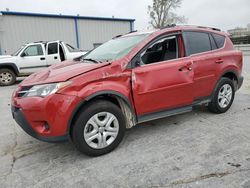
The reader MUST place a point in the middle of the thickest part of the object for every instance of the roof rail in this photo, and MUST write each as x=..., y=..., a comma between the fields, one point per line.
x=213, y=28
x=168, y=26
x=40, y=41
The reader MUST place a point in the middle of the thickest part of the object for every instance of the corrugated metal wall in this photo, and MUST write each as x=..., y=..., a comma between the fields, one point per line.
x=96, y=31
x=16, y=30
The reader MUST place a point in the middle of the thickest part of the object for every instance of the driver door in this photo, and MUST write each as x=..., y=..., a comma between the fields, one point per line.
x=164, y=79
x=31, y=59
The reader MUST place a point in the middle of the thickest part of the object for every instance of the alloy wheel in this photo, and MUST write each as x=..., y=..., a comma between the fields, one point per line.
x=101, y=130
x=225, y=95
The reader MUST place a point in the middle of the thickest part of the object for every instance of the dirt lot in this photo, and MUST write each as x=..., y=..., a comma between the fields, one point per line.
x=197, y=149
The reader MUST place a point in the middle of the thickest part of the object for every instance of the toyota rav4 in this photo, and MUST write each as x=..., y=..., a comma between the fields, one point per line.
x=134, y=78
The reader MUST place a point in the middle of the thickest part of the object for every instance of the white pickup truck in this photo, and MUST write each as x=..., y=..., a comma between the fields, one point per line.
x=33, y=57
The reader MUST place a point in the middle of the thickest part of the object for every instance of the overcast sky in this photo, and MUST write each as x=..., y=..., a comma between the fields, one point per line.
x=224, y=14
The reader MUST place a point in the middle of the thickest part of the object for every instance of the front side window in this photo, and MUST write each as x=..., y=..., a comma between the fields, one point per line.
x=115, y=48
x=34, y=50
x=196, y=42
x=162, y=50
x=52, y=48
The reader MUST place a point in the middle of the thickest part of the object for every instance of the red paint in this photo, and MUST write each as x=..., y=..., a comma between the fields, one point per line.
x=148, y=88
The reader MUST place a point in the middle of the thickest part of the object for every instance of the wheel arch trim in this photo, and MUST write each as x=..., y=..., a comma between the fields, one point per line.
x=12, y=65
x=92, y=96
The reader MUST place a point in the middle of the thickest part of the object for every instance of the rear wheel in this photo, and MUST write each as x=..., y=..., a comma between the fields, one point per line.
x=223, y=96
x=7, y=77
x=99, y=128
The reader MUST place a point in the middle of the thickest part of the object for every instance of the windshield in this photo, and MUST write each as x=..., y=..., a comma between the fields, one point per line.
x=18, y=51
x=115, y=48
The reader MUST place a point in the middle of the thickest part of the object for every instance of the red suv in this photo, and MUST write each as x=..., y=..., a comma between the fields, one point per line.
x=134, y=78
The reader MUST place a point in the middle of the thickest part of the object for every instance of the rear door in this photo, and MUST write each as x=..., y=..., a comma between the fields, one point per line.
x=52, y=53
x=164, y=79
x=31, y=59
x=200, y=46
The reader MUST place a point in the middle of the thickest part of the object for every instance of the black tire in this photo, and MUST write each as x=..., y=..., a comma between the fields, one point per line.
x=11, y=76
x=214, y=105
x=86, y=113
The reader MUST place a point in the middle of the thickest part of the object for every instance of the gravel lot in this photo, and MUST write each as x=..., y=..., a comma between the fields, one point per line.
x=197, y=149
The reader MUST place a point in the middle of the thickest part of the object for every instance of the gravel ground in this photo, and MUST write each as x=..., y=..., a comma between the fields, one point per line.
x=196, y=149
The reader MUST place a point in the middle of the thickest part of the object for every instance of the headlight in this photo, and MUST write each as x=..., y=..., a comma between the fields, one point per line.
x=43, y=90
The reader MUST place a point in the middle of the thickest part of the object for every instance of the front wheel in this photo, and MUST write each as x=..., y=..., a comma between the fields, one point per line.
x=7, y=77
x=99, y=128
x=223, y=96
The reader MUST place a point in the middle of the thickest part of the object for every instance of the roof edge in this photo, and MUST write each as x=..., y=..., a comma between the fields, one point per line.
x=64, y=16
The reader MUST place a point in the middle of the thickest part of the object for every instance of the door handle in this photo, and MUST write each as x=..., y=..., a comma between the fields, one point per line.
x=219, y=61
x=187, y=66
x=42, y=58
x=55, y=57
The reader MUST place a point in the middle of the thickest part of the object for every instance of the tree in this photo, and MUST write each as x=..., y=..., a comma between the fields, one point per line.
x=162, y=13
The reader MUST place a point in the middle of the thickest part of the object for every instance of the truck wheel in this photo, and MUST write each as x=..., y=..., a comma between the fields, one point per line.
x=223, y=96
x=7, y=77
x=99, y=128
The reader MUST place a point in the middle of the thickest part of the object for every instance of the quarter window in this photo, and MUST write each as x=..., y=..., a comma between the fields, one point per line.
x=34, y=50
x=220, y=40
x=213, y=44
x=196, y=42
x=162, y=50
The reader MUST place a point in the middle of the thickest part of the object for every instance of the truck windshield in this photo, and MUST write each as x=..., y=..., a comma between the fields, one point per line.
x=115, y=48
x=18, y=51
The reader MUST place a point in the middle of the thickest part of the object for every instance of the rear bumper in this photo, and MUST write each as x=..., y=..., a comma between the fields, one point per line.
x=240, y=82
x=24, y=124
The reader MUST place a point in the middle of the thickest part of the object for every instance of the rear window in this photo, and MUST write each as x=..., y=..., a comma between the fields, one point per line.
x=219, y=39
x=196, y=42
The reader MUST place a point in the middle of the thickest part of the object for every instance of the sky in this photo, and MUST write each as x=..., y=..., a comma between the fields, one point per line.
x=223, y=14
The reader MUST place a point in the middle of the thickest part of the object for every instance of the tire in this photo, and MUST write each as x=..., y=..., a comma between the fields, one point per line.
x=99, y=111
x=222, y=93
x=7, y=77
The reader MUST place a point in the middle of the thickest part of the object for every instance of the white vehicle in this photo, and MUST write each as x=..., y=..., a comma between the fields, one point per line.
x=33, y=57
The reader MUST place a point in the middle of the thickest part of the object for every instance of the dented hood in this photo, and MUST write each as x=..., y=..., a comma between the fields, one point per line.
x=61, y=72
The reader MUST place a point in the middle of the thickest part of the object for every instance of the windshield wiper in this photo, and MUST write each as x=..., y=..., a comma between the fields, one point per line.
x=92, y=60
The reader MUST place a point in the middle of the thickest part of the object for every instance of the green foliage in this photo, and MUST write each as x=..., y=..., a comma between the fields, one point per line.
x=162, y=13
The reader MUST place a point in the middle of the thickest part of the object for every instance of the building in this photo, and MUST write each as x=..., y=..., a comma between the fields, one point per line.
x=18, y=28
x=240, y=35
